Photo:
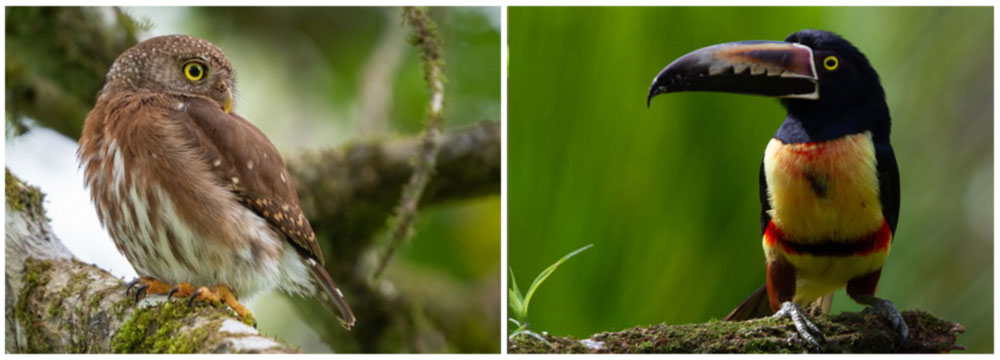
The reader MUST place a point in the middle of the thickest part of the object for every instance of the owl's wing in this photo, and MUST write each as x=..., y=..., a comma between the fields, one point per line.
x=247, y=164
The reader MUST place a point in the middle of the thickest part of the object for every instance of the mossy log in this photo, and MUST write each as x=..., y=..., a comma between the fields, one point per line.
x=845, y=333
x=57, y=304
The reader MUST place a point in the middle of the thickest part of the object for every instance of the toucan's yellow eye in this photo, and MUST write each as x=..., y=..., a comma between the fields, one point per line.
x=831, y=63
x=194, y=71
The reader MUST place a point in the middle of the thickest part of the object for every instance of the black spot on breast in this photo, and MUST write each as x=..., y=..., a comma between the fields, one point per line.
x=818, y=183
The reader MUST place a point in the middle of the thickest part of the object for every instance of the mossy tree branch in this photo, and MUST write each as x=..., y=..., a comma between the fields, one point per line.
x=845, y=333
x=57, y=304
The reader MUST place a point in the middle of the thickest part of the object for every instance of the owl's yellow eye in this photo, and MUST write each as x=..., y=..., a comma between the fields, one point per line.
x=831, y=63
x=194, y=71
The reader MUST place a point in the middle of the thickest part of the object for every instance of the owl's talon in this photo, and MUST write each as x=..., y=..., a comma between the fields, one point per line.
x=140, y=290
x=194, y=296
x=180, y=290
x=130, y=285
x=145, y=285
x=170, y=294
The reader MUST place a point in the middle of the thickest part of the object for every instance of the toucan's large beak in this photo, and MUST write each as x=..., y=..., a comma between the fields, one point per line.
x=769, y=68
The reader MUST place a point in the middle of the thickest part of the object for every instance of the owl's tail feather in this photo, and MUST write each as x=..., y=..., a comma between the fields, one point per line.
x=335, y=301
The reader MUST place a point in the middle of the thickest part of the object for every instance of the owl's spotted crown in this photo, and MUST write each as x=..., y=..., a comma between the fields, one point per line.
x=144, y=63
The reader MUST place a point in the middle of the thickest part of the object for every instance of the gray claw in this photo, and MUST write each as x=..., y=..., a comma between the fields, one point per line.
x=887, y=309
x=809, y=331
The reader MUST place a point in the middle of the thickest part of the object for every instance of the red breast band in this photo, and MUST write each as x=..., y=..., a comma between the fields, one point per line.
x=874, y=242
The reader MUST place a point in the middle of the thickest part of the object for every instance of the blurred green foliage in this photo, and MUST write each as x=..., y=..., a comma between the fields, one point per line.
x=669, y=195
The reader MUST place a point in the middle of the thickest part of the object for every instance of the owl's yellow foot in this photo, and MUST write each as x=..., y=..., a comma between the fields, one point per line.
x=181, y=290
x=215, y=296
x=219, y=294
x=146, y=286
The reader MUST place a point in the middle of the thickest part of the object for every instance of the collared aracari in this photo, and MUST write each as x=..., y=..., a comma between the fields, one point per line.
x=829, y=184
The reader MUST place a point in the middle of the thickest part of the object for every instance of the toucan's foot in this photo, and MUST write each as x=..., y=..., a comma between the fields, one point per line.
x=888, y=310
x=146, y=286
x=809, y=331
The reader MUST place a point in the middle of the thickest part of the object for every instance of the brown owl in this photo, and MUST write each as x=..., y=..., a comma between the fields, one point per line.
x=191, y=193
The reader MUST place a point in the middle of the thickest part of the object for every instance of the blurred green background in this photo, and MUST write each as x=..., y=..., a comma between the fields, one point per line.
x=315, y=79
x=669, y=195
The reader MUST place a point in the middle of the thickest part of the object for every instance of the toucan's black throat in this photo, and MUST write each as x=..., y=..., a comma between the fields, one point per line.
x=823, y=120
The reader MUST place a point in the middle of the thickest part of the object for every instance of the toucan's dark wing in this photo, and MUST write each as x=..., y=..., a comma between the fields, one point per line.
x=756, y=305
x=888, y=183
x=765, y=205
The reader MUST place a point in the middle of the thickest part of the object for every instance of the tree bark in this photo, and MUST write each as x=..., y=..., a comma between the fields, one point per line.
x=57, y=304
x=845, y=333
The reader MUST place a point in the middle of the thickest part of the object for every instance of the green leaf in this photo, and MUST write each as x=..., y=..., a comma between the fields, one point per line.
x=545, y=274
x=518, y=323
x=513, y=283
x=516, y=304
x=514, y=298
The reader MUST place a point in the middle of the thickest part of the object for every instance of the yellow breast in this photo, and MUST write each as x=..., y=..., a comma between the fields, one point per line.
x=824, y=191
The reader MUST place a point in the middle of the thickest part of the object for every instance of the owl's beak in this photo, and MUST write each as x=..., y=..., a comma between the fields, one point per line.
x=227, y=102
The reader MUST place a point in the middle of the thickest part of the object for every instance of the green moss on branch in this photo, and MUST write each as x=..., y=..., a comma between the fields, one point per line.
x=845, y=333
x=21, y=196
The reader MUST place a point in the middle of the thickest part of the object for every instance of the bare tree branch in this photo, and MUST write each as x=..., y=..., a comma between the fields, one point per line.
x=426, y=38
x=845, y=333
x=57, y=304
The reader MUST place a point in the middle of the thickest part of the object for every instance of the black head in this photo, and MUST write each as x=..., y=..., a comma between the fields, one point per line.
x=851, y=95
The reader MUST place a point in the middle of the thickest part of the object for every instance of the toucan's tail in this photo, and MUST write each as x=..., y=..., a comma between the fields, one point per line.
x=334, y=299
x=754, y=306
x=757, y=305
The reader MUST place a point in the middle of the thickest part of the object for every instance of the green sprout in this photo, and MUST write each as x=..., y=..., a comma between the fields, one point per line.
x=519, y=303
